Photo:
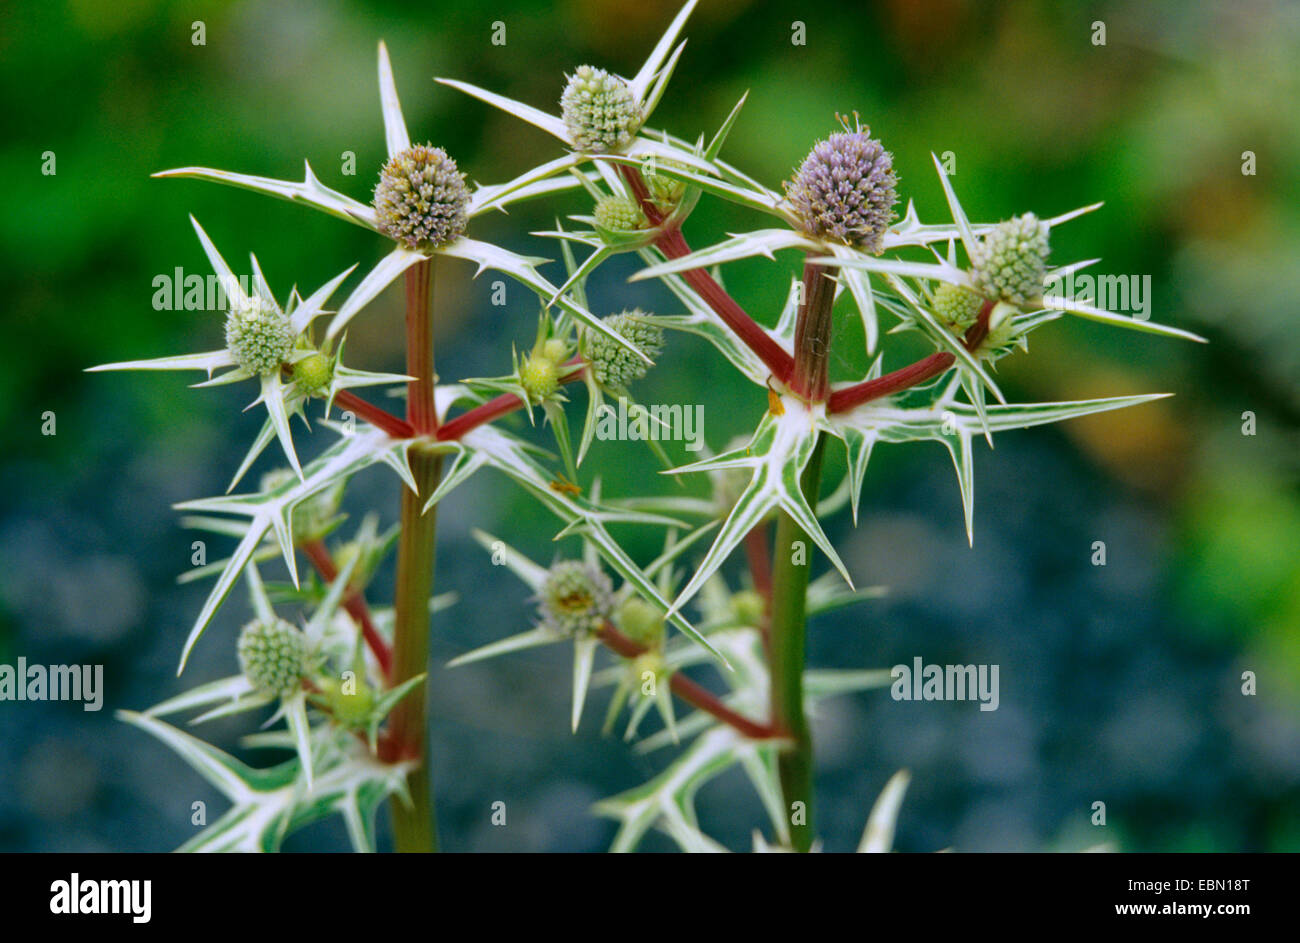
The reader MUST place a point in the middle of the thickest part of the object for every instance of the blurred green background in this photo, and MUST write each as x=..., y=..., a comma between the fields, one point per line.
x=1120, y=684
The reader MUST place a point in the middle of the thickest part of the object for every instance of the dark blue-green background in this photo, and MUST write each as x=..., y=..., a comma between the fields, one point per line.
x=1119, y=684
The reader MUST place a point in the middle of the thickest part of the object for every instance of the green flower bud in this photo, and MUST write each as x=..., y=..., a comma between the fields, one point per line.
x=749, y=607
x=272, y=655
x=599, y=111
x=421, y=200
x=613, y=365
x=956, y=307
x=313, y=373
x=666, y=191
x=641, y=622
x=555, y=350
x=350, y=709
x=576, y=598
x=539, y=376
x=1011, y=260
x=618, y=214
x=258, y=335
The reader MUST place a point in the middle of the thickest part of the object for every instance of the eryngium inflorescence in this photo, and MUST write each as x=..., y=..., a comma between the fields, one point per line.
x=271, y=655
x=599, y=111
x=957, y=308
x=844, y=190
x=613, y=365
x=421, y=199
x=258, y=335
x=1011, y=260
x=618, y=214
x=576, y=598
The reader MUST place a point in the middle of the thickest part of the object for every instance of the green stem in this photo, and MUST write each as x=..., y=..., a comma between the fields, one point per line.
x=789, y=606
x=786, y=659
x=414, y=825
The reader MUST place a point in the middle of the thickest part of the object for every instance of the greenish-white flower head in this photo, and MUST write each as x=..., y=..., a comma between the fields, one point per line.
x=272, y=655
x=258, y=335
x=313, y=373
x=576, y=598
x=599, y=110
x=616, y=215
x=955, y=307
x=614, y=366
x=641, y=622
x=421, y=200
x=1011, y=260
x=845, y=190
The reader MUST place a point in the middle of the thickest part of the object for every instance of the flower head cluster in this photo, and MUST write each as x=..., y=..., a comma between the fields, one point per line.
x=613, y=365
x=1011, y=260
x=421, y=199
x=258, y=335
x=845, y=190
x=576, y=598
x=600, y=112
x=272, y=655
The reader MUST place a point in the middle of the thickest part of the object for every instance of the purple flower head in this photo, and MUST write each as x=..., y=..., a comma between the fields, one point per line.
x=844, y=189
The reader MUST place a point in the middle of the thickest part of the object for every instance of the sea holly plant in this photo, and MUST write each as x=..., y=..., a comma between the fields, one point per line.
x=341, y=677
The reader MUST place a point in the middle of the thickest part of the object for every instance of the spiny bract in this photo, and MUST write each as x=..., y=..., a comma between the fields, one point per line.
x=599, y=111
x=258, y=335
x=272, y=656
x=1011, y=260
x=845, y=190
x=613, y=365
x=576, y=598
x=421, y=199
x=313, y=516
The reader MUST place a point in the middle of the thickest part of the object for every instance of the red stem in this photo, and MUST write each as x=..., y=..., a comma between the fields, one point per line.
x=353, y=602
x=376, y=416
x=420, y=411
x=494, y=408
x=976, y=333
x=842, y=400
x=688, y=690
x=673, y=245
x=760, y=559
